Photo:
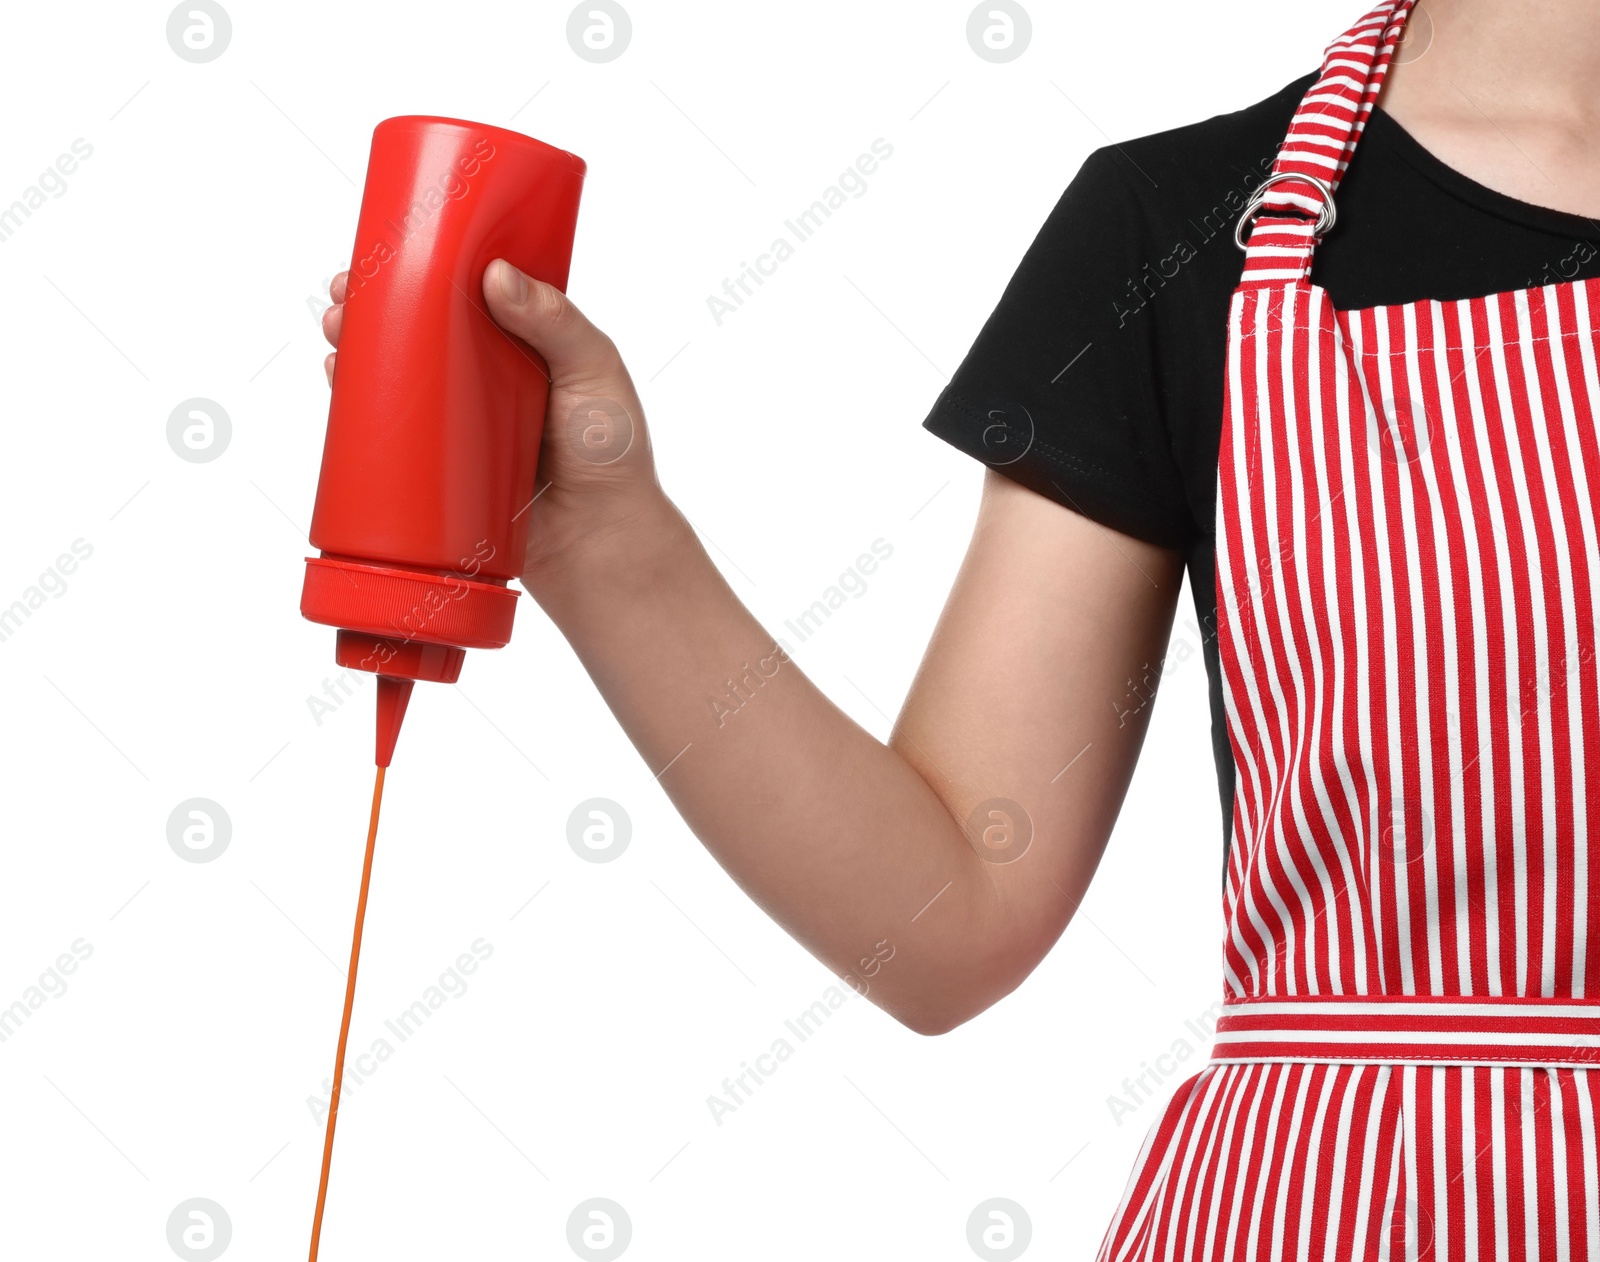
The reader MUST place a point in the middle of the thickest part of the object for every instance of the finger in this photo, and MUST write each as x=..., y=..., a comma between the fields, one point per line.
x=327, y=366
x=333, y=323
x=580, y=356
x=339, y=289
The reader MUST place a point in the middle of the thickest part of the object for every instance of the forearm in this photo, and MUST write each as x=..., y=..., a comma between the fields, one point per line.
x=834, y=834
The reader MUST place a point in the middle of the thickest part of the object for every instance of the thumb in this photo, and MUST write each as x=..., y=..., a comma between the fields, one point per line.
x=580, y=356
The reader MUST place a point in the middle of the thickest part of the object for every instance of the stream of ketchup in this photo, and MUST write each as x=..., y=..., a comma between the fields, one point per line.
x=349, y=1003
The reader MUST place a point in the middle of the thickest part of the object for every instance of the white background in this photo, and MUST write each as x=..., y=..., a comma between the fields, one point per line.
x=187, y=257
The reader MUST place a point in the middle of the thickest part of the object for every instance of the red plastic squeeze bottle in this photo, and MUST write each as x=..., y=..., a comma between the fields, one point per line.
x=433, y=431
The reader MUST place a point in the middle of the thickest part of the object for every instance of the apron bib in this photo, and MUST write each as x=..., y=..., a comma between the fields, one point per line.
x=1406, y=573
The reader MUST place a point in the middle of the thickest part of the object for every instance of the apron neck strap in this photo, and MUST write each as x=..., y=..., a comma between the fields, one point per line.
x=1322, y=137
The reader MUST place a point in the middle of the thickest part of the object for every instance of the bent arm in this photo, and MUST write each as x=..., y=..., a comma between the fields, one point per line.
x=1024, y=721
x=1031, y=691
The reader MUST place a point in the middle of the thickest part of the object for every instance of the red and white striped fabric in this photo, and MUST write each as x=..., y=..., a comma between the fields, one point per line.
x=1407, y=574
x=1394, y=1030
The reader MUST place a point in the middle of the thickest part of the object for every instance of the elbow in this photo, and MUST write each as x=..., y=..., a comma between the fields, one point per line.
x=935, y=1018
x=940, y=996
x=931, y=1025
x=939, y=1011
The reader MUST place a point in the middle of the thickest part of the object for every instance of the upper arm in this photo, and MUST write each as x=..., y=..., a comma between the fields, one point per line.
x=1034, y=695
x=1032, y=702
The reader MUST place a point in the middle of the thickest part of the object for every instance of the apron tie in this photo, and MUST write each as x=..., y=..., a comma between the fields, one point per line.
x=1410, y=1030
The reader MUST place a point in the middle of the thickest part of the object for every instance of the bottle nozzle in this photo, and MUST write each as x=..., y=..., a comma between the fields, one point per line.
x=393, y=697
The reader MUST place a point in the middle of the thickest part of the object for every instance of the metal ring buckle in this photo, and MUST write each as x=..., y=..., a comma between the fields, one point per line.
x=1325, y=216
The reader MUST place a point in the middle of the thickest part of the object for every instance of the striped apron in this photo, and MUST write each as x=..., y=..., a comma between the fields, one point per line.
x=1406, y=590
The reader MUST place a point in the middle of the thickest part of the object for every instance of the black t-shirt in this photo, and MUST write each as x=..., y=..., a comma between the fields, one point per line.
x=1097, y=381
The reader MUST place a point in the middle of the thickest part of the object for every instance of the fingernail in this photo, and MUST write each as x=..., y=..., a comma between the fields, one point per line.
x=513, y=284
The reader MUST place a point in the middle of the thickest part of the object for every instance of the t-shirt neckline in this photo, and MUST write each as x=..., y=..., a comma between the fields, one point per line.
x=1560, y=223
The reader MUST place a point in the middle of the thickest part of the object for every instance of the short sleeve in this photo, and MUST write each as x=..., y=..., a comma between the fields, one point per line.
x=1061, y=390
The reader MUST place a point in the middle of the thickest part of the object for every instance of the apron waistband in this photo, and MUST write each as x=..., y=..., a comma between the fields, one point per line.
x=1410, y=1030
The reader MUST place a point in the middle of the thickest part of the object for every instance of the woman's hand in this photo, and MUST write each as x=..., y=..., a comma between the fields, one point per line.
x=596, y=473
